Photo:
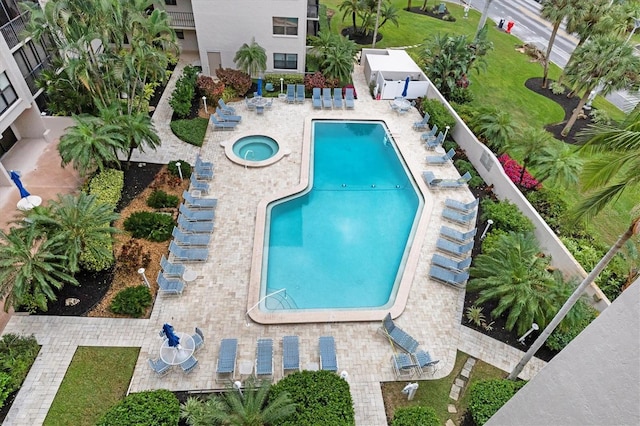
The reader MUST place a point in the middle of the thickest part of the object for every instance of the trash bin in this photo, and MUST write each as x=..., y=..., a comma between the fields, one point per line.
x=501, y=23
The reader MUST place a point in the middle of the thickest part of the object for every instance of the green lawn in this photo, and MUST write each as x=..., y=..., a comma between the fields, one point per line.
x=97, y=378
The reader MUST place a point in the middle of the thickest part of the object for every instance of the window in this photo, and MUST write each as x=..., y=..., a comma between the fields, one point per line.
x=7, y=94
x=179, y=34
x=170, y=2
x=288, y=61
x=285, y=26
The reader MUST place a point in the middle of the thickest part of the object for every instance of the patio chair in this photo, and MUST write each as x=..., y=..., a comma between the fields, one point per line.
x=291, y=93
x=264, y=359
x=226, y=364
x=202, y=174
x=436, y=183
x=458, y=250
x=159, y=366
x=434, y=143
x=199, y=185
x=422, y=124
x=226, y=108
x=337, y=98
x=196, y=215
x=300, y=93
x=190, y=240
x=169, y=286
x=268, y=104
x=430, y=134
x=455, y=279
x=171, y=269
x=398, y=336
x=290, y=354
x=183, y=254
x=203, y=165
x=394, y=106
x=229, y=117
x=199, y=203
x=457, y=236
x=222, y=125
x=194, y=227
x=425, y=362
x=260, y=109
x=189, y=364
x=440, y=160
x=458, y=217
x=198, y=339
x=460, y=206
x=250, y=105
x=316, y=99
x=348, y=98
x=448, y=263
x=327, y=349
x=327, y=101
x=403, y=366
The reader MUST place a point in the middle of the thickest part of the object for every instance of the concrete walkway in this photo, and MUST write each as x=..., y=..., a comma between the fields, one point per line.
x=217, y=301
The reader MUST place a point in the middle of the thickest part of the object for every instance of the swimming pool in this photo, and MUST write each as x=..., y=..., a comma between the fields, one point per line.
x=255, y=147
x=342, y=243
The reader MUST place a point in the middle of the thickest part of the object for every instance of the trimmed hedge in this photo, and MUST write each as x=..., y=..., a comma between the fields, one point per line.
x=322, y=398
x=286, y=79
x=487, y=396
x=190, y=131
x=415, y=416
x=158, y=408
x=150, y=226
x=184, y=92
x=17, y=354
x=160, y=200
x=107, y=186
x=506, y=216
x=132, y=301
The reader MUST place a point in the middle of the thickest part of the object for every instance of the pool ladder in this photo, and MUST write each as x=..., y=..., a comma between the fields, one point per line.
x=246, y=155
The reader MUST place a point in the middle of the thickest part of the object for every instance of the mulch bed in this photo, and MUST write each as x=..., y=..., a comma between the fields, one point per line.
x=430, y=12
x=360, y=38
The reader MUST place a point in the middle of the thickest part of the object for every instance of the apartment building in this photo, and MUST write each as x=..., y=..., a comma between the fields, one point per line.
x=216, y=29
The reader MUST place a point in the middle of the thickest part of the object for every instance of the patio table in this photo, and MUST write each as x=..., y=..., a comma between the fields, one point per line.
x=402, y=104
x=178, y=354
x=259, y=101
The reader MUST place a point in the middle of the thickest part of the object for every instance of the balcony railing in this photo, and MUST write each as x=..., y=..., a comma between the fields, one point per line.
x=182, y=19
x=11, y=30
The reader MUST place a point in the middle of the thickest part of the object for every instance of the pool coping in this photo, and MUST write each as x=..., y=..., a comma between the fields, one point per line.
x=356, y=315
x=231, y=156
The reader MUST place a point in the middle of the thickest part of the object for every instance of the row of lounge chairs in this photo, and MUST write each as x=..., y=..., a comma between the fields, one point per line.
x=227, y=119
x=329, y=102
x=161, y=368
x=295, y=93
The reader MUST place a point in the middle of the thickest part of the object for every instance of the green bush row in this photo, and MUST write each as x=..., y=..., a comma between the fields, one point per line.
x=506, y=216
x=132, y=301
x=439, y=114
x=416, y=415
x=487, y=396
x=158, y=408
x=90, y=262
x=160, y=200
x=184, y=92
x=107, y=186
x=465, y=166
x=17, y=354
x=566, y=332
x=190, y=131
x=150, y=226
x=286, y=79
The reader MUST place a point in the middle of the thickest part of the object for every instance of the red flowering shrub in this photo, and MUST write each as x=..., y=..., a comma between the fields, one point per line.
x=238, y=80
x=514, y=171
x=211, y=89
x=314, y=80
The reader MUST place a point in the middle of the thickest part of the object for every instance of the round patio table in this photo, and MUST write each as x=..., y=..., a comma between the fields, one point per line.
x=402, y=104
x=259, y=101
x=178, y=354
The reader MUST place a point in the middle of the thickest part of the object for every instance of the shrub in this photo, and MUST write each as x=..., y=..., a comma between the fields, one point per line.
x=228, y=94
x=505, y=215
x=160, y=200
x=491, y=239
x=286, y=79
x=210, y=88
x=600, y=116
x=487, y=396
x=190, y=131
x=184, y=166
x=414, y=416
x=107, y=186
x=184, y=92
x=513, y=170
x=465, y=166
x=132, y=256
x=132, y=301
x=440, y=115
x=556, y=88
x=461, y=95
x=17, y=354
x=90, y=262
x=552, y=206
x=314, y=80
x=238, y=80
x=467, y=113
x=150, y=226
x=159, y=408
x=5, y=388
x=322, y=398
x=565, y=333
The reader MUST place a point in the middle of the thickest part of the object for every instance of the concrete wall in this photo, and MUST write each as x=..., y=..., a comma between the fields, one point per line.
x=595, y=380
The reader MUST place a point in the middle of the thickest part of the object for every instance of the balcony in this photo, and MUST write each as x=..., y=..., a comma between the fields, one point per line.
x=182, y=19
x=12, y=29
x=312, y=9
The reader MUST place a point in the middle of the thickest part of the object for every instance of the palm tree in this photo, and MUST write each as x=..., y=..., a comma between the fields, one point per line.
x=559, y=163
x=31, y=268
x=616, y=168
x=338, y=60
x=496, y=127
x=251, y=58
x=514, y=275
x=351, y=7
x=555, y=11
x=81, y=222
x=603, y=59
x=529, y=142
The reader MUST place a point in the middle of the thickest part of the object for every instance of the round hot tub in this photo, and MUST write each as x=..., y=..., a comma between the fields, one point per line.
x=254, y=150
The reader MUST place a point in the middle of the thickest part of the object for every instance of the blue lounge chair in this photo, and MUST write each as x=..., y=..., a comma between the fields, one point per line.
x=198, y=339
x=458, y=250
x=202, y=174
x=436, y=183
x=430, y=134
x=327, y=349
x=171, y=269
x=222, y=125
x=458, y=217
x=190, y=240
x=398, y=336
x=424, y=362
x=327, y=101
x=348, y=98
x=460, y=206
x=169, y=286
x=225, y=108
x=290, y=354
x=264, y=358
x=159, y=366
x=300, y=93
x=455, y=279
x=194, y=227
x=434, y=143
x=203, y=165
x=403, y=366
x=291, y=93
x=183, y=254
x=448, y=263
x=189, y=364
x=337, y=98
x=457, y=236
x=226, y=364
x=229, y=117
x=316, y=99
x=422, y=124
x=199, y=185
x=440, y=160
x=196, y=215
x=199, y=203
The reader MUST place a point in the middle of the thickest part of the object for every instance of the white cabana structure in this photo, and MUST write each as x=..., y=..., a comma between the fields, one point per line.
x=387, y=70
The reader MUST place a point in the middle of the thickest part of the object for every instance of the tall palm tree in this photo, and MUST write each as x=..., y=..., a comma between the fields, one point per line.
x=338, y=60
x=558, y=163
x=351, y=7
x=529, y=142
x=31, y=267
x=251, y=58
x=555, y=11
x=615, y=164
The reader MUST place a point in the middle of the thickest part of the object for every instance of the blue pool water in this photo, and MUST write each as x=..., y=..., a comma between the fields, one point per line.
x=255, y=147
x=341, y=244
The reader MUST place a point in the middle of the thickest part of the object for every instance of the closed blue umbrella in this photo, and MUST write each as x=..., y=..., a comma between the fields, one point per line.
x=406, y=87
x=173, y=340
x=259, y=87
x=15, y=177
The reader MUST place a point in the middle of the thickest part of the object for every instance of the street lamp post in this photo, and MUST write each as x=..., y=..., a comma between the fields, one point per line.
x=179, y=169
x=281, y=85
x=486, y=229
x=144, y=277
x=446, y=130
x=204, y=100
x=533, y=328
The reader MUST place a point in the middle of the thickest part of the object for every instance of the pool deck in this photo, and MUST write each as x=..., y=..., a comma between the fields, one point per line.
x=217, y=301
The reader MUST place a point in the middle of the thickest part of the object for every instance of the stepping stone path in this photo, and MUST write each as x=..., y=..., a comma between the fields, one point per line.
x=458, y=385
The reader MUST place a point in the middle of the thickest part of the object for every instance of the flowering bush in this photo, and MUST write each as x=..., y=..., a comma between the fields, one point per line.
x=240, y=81
x=514, y=171
x=314, y=80
x=213, y=90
